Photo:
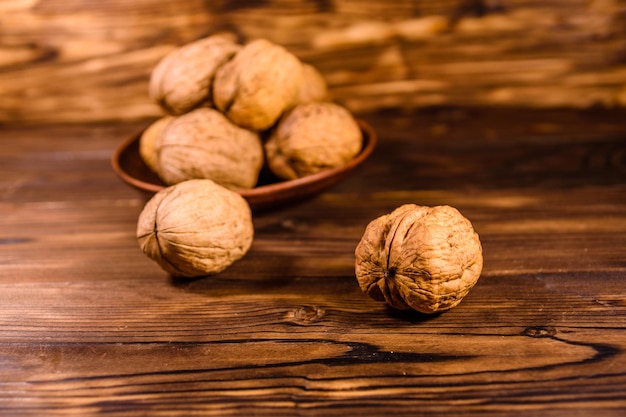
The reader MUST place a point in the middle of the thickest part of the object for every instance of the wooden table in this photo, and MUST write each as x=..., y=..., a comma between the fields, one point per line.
x=90, y=325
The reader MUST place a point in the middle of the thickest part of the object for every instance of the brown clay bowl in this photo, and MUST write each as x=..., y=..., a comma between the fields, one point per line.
x=269, y=192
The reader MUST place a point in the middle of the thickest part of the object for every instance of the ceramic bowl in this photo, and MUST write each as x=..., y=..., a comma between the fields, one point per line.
x=269, y=192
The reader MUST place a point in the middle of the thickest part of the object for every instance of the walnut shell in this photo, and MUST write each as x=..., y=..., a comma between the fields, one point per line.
x=195, y=228
x=258, y=84
x=147, y=140
x=312, y=137
x=313, y=86
x=182, y=80
x=205, y=144
x=424, y=258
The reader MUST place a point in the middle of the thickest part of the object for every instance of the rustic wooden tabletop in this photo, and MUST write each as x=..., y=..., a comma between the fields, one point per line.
x=90, y=325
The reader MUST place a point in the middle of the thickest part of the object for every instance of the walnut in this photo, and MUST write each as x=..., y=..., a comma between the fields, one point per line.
x=313, y=86
x=148, y=139
x=258, y=84
x=424, y=258
x=195, y=228
x=311, y=138
x=182, y=80
x=205, y=144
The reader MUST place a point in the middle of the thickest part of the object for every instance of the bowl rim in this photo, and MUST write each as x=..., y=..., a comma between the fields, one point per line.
x=369, y=143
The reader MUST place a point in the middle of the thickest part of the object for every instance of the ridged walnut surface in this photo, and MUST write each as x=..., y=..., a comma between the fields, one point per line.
x=204, y=144
x=195, y=228
x=183, y=79
x=311, y=138
x=258, y=84
x=424, y=258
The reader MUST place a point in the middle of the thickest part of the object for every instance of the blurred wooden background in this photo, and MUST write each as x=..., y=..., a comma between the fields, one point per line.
x=84, y=60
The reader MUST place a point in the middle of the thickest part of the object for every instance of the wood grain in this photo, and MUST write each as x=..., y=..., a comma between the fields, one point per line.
x=91, y=326
x=76, y=61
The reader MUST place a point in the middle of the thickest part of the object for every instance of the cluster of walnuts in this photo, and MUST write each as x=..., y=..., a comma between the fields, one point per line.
x=231, y=109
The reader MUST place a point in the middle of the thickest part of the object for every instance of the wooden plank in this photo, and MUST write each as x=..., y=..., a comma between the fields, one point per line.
x=79, y=61
x=89, y=325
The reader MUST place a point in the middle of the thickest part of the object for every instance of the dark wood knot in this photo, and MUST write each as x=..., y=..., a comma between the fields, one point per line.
x=308, y=314
x=540, y=331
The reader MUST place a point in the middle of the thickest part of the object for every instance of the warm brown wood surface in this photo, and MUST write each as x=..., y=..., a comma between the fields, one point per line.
x=85, y=60
x=90, y=325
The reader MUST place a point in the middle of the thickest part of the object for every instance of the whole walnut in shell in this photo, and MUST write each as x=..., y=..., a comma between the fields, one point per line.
x=182, y=80
x=258, y=84
x=312, y=137
x=147, y=141
x=195, y=228
x=421, y=258
x=205, y=144
x=313, y=86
